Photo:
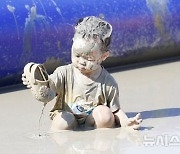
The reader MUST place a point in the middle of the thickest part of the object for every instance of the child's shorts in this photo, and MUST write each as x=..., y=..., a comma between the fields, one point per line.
x=81, y=113
x=82, y=118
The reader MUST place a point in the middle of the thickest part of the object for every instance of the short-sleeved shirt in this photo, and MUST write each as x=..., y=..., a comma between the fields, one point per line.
x=70, y=89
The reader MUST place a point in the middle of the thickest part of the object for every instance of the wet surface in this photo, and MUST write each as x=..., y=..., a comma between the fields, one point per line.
x=152, y=91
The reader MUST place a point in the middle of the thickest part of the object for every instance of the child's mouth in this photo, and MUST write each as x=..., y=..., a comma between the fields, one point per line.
x=82, y=69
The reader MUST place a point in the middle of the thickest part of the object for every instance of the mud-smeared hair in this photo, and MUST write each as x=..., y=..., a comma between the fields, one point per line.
x=95, y=28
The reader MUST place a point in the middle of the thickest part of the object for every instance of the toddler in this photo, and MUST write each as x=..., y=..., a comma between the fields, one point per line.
x=85, y=92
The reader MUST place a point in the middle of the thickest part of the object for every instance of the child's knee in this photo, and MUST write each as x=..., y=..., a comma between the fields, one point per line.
x=103, y=117
x=63, y=121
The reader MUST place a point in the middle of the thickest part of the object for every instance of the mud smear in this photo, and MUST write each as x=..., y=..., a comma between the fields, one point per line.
x=57, y=9
x=43, y=7
x=161, y=14
x=12, y=9
x=30, y=32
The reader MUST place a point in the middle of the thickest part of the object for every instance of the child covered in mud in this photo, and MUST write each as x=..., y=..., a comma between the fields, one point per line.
x=85, y=92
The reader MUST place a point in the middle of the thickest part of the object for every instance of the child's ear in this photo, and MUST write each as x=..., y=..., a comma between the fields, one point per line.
x=105, y=55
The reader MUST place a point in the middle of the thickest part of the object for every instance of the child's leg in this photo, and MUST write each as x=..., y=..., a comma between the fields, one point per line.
x=101, y=117
x=63, y=121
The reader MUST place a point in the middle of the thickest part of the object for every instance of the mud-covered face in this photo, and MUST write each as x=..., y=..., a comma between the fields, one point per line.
x=86, y=55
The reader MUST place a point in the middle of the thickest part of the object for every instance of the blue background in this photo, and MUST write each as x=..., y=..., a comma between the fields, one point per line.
x=41, y=31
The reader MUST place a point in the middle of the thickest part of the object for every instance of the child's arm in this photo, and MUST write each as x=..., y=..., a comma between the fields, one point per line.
x=124, y=121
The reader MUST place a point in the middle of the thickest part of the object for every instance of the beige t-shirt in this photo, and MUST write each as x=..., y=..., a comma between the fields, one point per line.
x=71, y=89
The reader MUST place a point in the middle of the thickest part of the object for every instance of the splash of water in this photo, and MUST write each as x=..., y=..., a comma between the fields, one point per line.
x=12, y=9
x=40, y=119
x=39, y=134
x=35, y=135
x=159, y=10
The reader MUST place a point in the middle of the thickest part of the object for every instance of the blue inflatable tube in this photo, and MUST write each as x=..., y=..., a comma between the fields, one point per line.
x=41, y=31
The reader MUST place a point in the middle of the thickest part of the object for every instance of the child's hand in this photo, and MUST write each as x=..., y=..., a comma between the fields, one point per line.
x=25, y=81
x=134, y=122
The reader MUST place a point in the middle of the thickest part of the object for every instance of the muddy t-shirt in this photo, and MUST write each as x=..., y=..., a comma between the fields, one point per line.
x=72, y=91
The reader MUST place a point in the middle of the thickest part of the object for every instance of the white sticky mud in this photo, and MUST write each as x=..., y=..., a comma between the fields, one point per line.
x=92, y=26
